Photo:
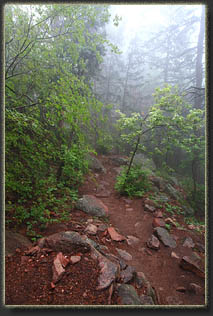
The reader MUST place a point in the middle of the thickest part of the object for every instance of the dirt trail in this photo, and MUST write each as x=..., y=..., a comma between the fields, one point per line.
x=28, y=278
x=129, y=218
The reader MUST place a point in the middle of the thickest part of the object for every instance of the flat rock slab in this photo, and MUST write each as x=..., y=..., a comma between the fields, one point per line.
x=165, y=237
x=124, y=254
x=15, y=240
x=59, y=263
x=93, y=206
x=108, y=273
x=109, y=270
x=115, y=235
x=189, y=264
x=128, y=295
x=65, y=242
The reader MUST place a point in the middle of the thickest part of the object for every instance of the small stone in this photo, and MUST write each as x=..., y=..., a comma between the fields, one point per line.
x=75, y=259
x=129, y=209
x=124, y=254
x=181, y=289
x=132, y=240
x=188, y=242
x=149, y=208
x=153, y=243
x=158, y=222
x=195, y=288
x=90, y=220
x=52, y=285
x=114, y=235
x=91, y=229
x=174, y=255
x=170, y=221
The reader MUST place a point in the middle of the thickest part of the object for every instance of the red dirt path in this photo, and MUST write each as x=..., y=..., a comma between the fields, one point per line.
x=28, y=283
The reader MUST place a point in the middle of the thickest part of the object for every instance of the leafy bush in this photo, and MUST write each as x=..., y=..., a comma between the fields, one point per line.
x=74, y=165
x=135, y=184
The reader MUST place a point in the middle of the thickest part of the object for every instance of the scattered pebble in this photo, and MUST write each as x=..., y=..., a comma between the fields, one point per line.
x=75, y=259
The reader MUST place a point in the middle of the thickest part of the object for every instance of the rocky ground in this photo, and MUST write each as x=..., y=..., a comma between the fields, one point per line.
x=112, y=251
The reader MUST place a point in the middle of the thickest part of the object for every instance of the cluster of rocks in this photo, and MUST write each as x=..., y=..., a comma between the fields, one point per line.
x=115, y=274
x=160, y=233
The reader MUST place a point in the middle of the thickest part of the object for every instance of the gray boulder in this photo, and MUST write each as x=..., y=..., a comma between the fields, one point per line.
x=165, y=237
x=95, y=164
x=176, y=195
x=91, y=205
x=128, y=295
x=65, y=242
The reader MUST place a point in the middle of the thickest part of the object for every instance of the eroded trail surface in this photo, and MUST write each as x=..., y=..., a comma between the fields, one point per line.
x=66, y=275
x=130, y=219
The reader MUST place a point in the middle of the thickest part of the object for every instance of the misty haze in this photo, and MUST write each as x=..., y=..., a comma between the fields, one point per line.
x=105, y=155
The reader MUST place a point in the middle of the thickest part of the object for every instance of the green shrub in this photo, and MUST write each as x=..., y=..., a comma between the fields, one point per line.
x=135, y=184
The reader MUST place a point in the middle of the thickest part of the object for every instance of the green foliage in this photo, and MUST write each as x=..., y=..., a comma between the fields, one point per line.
x=135, y=184
x=75, y=166
x=172, y=209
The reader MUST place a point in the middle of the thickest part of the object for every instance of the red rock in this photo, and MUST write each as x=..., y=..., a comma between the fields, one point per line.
x=114, y=235
x=58, y=269
x=158, y=222
x=64, y=261
x=75, y=259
